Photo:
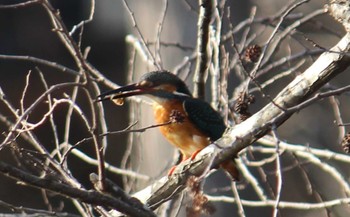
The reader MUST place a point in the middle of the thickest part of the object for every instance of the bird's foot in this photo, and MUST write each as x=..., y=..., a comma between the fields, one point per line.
x=194, y=155
x=171, y=171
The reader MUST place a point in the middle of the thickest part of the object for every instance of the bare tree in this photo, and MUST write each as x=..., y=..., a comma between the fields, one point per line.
x=271, y=75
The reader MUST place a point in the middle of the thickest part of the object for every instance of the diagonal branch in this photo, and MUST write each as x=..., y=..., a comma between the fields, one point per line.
x=236, y=138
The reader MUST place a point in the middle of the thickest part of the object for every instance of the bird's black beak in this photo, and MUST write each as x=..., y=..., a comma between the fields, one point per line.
x=123, y=92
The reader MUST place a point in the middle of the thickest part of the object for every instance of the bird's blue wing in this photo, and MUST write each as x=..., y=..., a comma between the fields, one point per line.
x=204, y=117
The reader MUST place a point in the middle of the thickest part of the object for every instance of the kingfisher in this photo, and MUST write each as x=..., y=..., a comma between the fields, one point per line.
x=188, y=123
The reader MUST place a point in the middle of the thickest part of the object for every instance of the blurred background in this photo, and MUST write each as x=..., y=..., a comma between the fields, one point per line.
x=27, y=31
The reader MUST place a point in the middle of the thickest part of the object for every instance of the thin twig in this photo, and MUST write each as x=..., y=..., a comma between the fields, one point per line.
x=32, y=107
x=283, y=204
x=142, y=39
x=41, y=62
x=20, y=5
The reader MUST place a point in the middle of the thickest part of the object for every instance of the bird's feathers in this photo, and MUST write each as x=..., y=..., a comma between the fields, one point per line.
x=204, y=117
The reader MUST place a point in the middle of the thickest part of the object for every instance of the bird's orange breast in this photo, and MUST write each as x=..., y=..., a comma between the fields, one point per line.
x=184, y=135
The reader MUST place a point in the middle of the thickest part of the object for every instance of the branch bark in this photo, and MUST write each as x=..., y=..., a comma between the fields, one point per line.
x=205, y=12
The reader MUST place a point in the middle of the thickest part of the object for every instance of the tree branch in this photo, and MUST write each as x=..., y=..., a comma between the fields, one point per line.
x=205, y=11
x=92, y=197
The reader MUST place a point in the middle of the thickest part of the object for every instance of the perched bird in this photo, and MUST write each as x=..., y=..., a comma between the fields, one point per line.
x=188, y=123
